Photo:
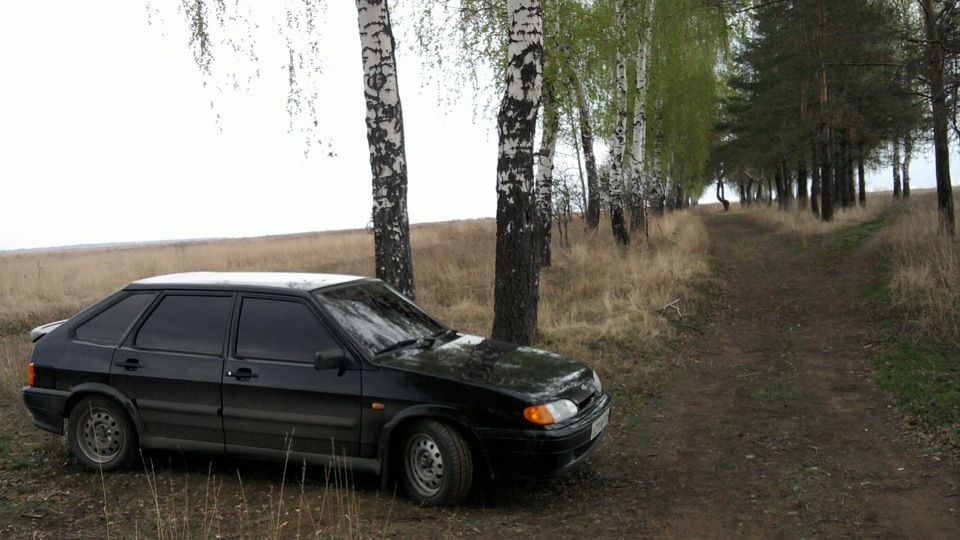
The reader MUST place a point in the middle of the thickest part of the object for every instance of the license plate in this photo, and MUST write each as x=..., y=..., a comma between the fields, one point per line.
x=599, y=424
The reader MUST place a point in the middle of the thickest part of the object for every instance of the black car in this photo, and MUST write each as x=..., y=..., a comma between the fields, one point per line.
x=308, y=367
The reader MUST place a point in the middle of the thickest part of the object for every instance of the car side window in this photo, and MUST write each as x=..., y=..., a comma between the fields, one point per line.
x=187, y=323
x=109, y=326
x=272, y=329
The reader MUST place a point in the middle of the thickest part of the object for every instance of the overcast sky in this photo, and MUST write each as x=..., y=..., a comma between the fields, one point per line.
x=107, y=135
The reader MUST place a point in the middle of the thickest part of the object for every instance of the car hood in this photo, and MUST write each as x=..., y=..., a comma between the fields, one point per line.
x=536, y=374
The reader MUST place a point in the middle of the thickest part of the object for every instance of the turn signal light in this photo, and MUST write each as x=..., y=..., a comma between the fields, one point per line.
x=30, y=374
x=550, y=413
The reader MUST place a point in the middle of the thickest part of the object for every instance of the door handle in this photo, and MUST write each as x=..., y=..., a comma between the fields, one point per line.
x=242, y=374
x=130, y=364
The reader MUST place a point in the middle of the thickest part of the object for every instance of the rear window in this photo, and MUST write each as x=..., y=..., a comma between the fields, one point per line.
x=110, y=325
x=188, y=324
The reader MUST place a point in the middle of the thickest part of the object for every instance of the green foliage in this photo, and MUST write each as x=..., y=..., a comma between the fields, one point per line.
x=849, y=66
x=463, y=43
x=688, y=41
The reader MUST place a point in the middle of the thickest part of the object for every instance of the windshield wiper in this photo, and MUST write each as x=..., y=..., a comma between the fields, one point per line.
x=418, y=342
x=445, y=333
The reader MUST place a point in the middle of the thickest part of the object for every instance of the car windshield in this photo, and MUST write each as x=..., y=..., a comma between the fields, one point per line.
x=378, y=318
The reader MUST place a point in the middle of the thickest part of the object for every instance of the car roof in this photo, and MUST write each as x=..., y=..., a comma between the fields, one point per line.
x=269, y=280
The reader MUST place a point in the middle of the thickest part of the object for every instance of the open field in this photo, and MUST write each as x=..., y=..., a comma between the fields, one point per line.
x=739, y=348
x=599, y=303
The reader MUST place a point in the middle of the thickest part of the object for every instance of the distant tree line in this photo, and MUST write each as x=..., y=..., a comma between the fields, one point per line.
x=819, y=90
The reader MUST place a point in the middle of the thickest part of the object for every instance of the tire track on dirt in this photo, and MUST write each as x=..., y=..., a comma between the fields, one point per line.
x=775, y=430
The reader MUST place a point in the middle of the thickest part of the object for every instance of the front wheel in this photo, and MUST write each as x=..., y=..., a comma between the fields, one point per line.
x=437, y=464
x=101, y=434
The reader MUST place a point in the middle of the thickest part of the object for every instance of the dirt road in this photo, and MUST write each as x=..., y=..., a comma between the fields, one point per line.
x=775, y=430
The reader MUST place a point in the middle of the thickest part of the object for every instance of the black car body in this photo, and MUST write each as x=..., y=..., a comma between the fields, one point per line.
x=308, y=367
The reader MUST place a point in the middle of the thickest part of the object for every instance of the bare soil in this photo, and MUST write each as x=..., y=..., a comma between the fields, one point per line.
x=769, y=427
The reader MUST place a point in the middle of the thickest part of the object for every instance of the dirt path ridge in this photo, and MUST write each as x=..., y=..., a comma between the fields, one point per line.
x=776, y=430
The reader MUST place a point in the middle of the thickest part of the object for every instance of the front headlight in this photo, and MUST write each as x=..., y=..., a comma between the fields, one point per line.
x=550, y=413
x=596, y=381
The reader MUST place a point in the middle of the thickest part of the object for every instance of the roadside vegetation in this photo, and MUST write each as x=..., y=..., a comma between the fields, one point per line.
x=923, y=368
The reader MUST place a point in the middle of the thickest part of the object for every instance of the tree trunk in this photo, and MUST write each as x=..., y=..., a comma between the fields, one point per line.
x=778, y=182
x=896, y=168
x=721, y=197
x=907, y=152
x=861, y=176
x=388, y=162
x=638, y=206
x=657, y=187
x=815, y=179
x=548, y=144
x=826, y=176
x=850, y=185
x=516, y=282
x=617, y=219
x=842, y=170
x=938, y=107
x=801, y=183
x=590, y=161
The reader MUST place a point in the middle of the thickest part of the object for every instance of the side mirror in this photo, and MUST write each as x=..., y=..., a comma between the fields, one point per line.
x=331, y=359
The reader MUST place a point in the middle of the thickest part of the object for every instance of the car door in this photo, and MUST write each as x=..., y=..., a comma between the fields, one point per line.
x=274, y=396
x=171, y=366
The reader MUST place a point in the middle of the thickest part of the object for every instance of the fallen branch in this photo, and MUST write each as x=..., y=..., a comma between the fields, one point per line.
x=662, y=311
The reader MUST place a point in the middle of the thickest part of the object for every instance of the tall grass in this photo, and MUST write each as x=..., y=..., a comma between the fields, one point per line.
x=925, y=275
x=803, y=221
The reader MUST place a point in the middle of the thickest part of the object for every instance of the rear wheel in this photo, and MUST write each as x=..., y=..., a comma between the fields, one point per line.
x=101, y=434
x=437, y=464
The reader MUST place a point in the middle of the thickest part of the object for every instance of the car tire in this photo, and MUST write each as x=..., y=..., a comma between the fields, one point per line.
x=437, y=466
x=101, y=434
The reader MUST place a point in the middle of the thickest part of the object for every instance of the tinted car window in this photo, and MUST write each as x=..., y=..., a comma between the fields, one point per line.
x=109, y=326
x=280, y=330
x=186, y=323
x=376, y=316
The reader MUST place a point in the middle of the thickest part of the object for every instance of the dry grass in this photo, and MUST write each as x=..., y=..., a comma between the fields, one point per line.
x=595, y=299
x=924, y=280
x=802, y=221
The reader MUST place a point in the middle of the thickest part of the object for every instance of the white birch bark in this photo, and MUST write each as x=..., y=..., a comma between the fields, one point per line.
x=388, y=162
x=619, y=138
x=516, y=280
x=656, y=184
x=638, y=181
x=548, y=145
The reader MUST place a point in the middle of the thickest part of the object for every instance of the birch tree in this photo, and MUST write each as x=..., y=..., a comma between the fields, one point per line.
x=388, y=162
x=638, y=160
x=517, y=274
x=545, y=157
x=617, y=220
x=236, y=21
